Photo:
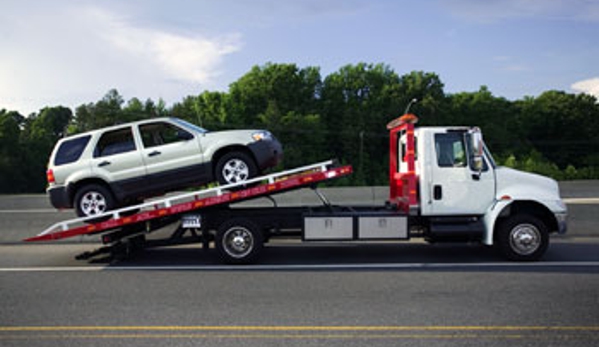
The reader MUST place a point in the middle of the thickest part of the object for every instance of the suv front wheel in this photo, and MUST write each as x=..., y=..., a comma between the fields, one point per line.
x=235, y=167
x=92, y=200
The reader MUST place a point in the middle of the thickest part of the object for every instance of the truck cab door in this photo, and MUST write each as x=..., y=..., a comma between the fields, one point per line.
x=457, y=186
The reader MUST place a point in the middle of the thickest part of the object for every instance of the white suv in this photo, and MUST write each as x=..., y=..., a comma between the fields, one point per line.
x=103, y=169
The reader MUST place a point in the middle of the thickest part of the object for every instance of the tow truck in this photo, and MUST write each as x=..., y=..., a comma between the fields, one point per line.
x=444, y=186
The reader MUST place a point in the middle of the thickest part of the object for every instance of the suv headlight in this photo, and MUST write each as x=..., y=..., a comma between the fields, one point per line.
x=262, y=136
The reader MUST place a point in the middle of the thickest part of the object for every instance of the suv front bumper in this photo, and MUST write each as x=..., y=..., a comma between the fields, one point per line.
x=268, y=153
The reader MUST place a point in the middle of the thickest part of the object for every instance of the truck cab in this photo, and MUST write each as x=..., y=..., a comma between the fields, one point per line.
x=458, y=193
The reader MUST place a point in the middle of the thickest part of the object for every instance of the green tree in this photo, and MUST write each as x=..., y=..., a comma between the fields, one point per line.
x=427, y=89
x=358, y=101
x=497, y=117
x=562, y=126
x=41, y=132
x=285, y=100
x=108, y=111
x=284, y=86
x=208, y=110
x=10, y=152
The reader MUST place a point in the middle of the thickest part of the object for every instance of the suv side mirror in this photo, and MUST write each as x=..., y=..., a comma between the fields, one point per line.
x=184, y=135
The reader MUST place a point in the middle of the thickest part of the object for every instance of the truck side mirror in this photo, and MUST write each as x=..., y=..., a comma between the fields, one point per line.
x=476, y=146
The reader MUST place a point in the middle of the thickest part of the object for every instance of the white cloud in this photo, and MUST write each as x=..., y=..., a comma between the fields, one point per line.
x=180, y=57
x=590, y=86
x=72, y=55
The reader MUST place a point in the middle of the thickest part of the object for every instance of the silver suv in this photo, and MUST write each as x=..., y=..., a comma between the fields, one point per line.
x=101, y=170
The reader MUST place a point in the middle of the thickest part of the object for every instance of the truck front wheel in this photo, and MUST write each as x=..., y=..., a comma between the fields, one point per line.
x=522, y=238
x=239, y=241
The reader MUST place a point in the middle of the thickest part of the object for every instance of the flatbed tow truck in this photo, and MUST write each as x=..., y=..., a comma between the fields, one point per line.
x=443, y=186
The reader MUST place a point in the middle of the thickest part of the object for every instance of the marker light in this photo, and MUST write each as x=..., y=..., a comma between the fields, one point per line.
x=407, y=118
x=50, y=176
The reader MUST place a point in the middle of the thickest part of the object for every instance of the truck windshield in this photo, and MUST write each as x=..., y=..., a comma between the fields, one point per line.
x=489, y=157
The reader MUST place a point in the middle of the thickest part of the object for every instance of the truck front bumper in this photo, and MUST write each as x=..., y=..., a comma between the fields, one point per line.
x=562, y=222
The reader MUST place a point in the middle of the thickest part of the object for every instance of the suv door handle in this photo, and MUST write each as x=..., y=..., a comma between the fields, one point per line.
x=153, y=154
x=104, y=163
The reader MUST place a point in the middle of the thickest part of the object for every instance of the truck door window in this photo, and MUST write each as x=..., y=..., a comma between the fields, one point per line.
x=158, y=134
x=450, y=149
x=402, y=147
x=115, y=142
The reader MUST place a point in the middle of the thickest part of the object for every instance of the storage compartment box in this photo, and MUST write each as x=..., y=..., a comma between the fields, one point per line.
x=328, y=228
x=382, y=227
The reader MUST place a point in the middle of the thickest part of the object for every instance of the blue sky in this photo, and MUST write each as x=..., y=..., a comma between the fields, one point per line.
x=72, y=52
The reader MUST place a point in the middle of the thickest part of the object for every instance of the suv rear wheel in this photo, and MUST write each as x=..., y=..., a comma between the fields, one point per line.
x=235, y=167
x=92, y=200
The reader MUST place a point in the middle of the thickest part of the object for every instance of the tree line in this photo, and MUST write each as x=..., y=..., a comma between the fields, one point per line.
x=342, y=115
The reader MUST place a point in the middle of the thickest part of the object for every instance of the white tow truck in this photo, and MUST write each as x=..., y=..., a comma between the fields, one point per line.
x=443, y=186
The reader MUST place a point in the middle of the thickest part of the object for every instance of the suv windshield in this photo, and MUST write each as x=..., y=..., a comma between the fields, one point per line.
x=189, y=125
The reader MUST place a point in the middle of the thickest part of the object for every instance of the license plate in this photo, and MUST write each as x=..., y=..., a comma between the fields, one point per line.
x=191, y=221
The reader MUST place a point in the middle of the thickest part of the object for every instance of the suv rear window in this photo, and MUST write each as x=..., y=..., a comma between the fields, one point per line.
x=70, y=150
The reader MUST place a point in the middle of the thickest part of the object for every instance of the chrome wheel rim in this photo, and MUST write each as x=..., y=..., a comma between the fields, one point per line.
x=525, y=239
x=93, y=203
x=235, y=171
x=238, y=242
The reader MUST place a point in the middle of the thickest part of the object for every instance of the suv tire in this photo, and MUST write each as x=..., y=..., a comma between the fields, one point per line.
x=235, y=167
x=92, y=200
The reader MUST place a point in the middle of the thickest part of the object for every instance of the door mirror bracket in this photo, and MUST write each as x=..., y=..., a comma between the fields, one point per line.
x=476, y=155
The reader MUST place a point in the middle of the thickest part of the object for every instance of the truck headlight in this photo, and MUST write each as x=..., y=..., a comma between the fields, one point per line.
x=560, y=203
x=262, y=136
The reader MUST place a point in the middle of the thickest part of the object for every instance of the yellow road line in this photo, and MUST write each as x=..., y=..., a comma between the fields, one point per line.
x=297, y=336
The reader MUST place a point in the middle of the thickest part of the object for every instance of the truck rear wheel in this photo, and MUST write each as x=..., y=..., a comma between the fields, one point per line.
x=523, y=238
x=239, y=241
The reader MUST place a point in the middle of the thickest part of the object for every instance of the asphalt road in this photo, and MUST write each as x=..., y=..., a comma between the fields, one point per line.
x=341, y=295
x=411, y=294
x=342, y=308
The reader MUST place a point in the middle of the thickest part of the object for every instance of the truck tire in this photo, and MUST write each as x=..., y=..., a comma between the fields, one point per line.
x=92, y=200
x=238, y=241
x=235, y=167
x=522, y=238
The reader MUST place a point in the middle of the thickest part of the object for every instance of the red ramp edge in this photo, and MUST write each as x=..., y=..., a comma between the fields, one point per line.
x=294, y=182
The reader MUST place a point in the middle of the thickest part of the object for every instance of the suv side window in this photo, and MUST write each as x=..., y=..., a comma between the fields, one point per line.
x=158, y=134
x=451, y=151
x=115, y=142
x=70, y=150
